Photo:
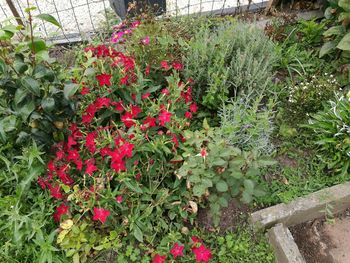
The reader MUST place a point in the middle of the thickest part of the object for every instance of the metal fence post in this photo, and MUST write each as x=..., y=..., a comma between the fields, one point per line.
x=15, y=12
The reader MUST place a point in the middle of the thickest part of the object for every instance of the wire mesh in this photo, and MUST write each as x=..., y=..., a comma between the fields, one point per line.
x=81, y=18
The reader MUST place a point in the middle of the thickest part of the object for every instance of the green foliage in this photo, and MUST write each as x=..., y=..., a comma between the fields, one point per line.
x=228, y=60
x=216, y=170
x=248, y=125
x=24, y=219
x=32, y=104
x=311, y=31
x=308, y=97
x=331, y=129
x=338, y=36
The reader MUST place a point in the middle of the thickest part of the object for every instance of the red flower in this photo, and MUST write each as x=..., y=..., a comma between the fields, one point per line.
x=177, y=66
x=62, y=209
x=135, y=110
x=175, y=140
x=71, y=142
x=145, y=40
x=164, y=65
x=126, y=149
x=118, y=166
x=165, y=92
x=124, y=80
x=73, y=155
x=55, y=192
x=100, y=214
x=164, y=117
x=145, y=95
x=188, y=115
x=105, y=151
x=41, y=182
x=194, y=107
x=119, y=106
x=147, y=70
x=177, y=250
x=159, y=259
x=127, y=120
x=150, y=122
x=204, y=152
x=104, y=79
x=90, y=142
x=119, y=199
x=85, y=91
x=51, y=166
x=102, y=102
x=90, y=166
x=202, y=253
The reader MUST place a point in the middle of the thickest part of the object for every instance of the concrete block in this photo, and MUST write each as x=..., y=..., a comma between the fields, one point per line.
x=304, y=208
x=286, y=250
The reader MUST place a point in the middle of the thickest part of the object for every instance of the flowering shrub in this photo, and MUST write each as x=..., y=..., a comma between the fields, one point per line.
x=307, y=97
x=115, y=171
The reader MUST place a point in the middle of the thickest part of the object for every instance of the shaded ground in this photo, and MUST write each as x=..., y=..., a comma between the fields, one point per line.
x=324, y=241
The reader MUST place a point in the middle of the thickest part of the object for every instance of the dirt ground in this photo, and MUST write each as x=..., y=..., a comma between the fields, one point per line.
x=324, y=241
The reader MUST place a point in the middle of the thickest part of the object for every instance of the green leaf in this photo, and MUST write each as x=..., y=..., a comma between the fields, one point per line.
x=199, y=190
x=223, y=202
x=334, y=30
x=70, y=89
x=5, y=35
x=48, y=104
x=20, y=95
x=32, y=85
x=221, y=186
x=345, y=4
x=37, y=45
x=138, y=233
x=249, y=186
x=49, y=18
x=219, y=162
x=2, y=66
x=194, y=178
x=205, y=124
x=76, y=258
x=26, y=110
x=133, y=186
x=327, y=48
x=246, y=197
x=344, y=44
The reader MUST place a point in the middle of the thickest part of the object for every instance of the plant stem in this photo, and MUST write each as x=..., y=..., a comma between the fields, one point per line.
x=30, y=21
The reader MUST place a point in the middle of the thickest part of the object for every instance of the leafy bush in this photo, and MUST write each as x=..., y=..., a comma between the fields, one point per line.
x=228, y=60
x=337, y=37
x=307, y=97
x=118, y=164
x=331, y=128
x=34, y=101
x=218, y=171
x=248, y=124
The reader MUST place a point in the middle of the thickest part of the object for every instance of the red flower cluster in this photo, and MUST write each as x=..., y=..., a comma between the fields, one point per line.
x=201, y=252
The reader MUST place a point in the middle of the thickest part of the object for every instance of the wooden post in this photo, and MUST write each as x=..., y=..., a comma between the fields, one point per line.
x=15, y=12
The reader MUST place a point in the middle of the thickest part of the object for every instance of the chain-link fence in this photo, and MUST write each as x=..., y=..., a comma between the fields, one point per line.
x=82, y=18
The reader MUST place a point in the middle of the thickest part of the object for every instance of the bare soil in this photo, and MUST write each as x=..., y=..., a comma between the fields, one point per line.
x=232, y=217
x=324, y=241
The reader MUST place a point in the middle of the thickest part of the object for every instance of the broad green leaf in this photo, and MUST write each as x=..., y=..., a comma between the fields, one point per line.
x=49, y=18
x=26, y=110
x=32, y=85
x=48, y=104
x=37, y=45
x=70, y=89
x=223, y=202
x=327, y=48
x=249, y=186
x=219, y=162
x=334, y=30
x=221, y=186
x=138, y=233
x=246, y=197
x=345, y=4
x=344, y=44
x=194, y=178
x=76, y=258
x=5, y=35
x=20, y=95
x=199, y=190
